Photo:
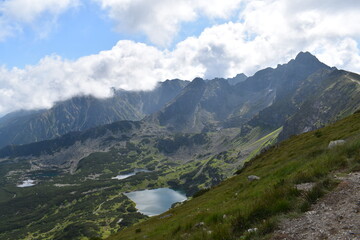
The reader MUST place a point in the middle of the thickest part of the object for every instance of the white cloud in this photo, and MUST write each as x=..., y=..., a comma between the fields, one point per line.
x=17, y=14
x=343, y=53
x=128, y=65
x=320, y=27
x=160, y=20
x=268, y=32
x=266, y=28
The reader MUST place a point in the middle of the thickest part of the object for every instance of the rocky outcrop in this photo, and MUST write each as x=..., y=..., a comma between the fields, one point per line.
x=263, y=99
x=253, y=178
x=335, y=143
x=323, y=98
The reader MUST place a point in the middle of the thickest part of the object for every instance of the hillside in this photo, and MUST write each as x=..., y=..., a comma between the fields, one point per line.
x=229, y=209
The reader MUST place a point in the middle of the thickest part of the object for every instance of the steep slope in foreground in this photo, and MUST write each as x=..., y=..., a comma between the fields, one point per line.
x=236, y=205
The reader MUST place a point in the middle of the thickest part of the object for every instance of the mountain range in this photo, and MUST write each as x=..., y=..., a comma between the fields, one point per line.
x=84, y=112
x=190, y=136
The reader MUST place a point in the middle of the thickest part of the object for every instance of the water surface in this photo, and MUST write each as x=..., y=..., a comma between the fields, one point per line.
x=156, y=201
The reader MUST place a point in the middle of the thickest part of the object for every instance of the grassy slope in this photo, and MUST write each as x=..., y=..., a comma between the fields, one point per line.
x=235, y=205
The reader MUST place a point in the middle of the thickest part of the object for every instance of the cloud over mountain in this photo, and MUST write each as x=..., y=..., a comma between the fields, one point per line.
x=263, y=34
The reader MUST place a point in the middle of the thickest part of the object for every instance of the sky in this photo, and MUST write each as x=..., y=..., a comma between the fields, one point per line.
x=52, y=50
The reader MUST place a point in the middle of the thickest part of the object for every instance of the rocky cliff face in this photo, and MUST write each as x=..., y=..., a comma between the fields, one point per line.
x=285, y=80
x=261, y=100
x=324, y=98
x=237, y=79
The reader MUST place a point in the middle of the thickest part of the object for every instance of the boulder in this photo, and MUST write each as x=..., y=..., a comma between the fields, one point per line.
x=336, y=143
x=252, y=230
x=166, y=216
x=200, y=224
x=307, y=187
x=253, y=178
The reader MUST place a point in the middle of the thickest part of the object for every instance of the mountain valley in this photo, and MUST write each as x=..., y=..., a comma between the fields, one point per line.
x=188, y=136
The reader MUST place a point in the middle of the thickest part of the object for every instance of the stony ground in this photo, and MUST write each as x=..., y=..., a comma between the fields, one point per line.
x=336, y=216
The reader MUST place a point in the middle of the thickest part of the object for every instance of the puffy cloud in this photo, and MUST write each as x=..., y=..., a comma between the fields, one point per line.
x=128, y=65
x=15, y=14
x=321, y=27
x=268, y=32
x=160, y=20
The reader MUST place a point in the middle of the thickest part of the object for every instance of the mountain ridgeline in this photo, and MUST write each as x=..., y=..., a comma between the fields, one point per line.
x=267, y=100
x=270, y=99
x=188, y=136
x=82, y=113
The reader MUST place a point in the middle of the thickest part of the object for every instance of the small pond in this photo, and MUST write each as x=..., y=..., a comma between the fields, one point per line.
x=26, y=183
x=156, y=201
x=123, y=176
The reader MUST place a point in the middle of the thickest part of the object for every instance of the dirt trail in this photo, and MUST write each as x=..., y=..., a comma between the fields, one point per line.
x=336, y=216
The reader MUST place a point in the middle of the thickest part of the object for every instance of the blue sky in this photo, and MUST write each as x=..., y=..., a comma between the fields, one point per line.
x=79, y=32
x=53, y=50
x=82, y=31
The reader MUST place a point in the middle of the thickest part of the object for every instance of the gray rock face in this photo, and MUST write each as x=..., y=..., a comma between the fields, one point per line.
x=238, y=78
x=335, y=143
x=263, y=99
x=305, y=186
x=324, y=97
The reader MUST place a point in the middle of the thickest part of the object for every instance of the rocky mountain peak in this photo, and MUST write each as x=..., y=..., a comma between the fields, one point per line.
x=237, y=79
x=197, y=82
x=306, y=58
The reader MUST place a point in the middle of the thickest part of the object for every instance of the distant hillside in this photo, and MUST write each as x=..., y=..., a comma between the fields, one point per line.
x=81, y=113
